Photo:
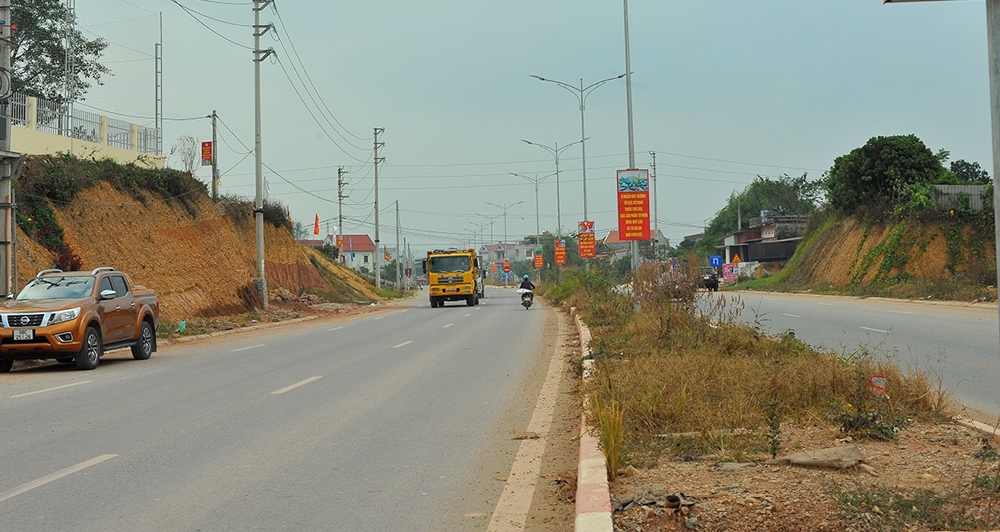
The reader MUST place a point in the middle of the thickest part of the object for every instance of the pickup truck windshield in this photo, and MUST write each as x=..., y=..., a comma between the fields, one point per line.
x=57, y=288
x=450, y=264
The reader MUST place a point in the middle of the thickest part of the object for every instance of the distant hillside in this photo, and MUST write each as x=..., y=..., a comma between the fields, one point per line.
x=942, y=258
x=163, y=229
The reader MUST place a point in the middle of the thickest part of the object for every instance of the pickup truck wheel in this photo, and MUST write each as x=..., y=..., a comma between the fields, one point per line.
x=5, y=365
x=144, y=345
x=90, y=353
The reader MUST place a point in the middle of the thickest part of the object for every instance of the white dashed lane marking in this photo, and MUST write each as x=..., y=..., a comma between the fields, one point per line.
x=336, y=328
x=402, y=344
x=54, y=476
x=49, y=389
x=247, y=347
x=874, y=330
x=791, y=315
x=446, y=326
x=296, y=385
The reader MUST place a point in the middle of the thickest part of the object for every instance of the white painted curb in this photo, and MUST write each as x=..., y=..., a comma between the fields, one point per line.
x=593, y=493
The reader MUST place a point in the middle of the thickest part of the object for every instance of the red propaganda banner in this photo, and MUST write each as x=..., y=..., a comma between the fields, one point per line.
x=587, y=240
x=206, y=153
x=633, y=205
x=506, y=266
x=539, y=259
x=560, y=251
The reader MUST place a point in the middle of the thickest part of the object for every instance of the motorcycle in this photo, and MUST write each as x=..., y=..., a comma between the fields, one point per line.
x=527, y=297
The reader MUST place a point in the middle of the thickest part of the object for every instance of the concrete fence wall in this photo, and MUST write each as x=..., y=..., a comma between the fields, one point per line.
x=41, y=127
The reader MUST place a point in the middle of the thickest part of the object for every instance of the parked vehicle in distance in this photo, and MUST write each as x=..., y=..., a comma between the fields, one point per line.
x=77, y=316
x=710, y=279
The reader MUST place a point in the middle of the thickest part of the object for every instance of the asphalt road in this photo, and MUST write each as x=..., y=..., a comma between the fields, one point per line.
x=960, y=343
x=400, y=420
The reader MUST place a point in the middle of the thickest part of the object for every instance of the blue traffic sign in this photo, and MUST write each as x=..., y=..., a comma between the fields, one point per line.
x=715, y=261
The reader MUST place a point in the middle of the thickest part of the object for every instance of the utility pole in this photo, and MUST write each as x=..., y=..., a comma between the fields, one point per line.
x=399, y=278
x=215, y=160
x=258, y=205
x=378, y=269
x=656, y=221
x=9, y=161
x=340, y=208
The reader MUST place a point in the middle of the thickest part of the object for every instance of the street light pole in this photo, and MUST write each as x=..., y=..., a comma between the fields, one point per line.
x=634, y=246
x=555, y=151
x=581, y=96
x=536, y=180
x=490, y=218
x=504, y=208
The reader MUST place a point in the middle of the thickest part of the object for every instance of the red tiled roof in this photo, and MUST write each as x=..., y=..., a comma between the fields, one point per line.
x=358, y=243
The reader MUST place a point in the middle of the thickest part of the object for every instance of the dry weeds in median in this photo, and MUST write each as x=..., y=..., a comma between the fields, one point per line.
x=696, y=387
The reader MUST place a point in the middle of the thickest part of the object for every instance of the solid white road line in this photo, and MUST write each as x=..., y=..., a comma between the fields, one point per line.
x=336, y=328
x=446, y=326
x=791, y=315
x=875, y=330
x=378, y=318
x=511, y=511
x=54, y=476
x=825, y=304
x=402, y=344
x=899, y=312
x=49, y=389
x=294, y=386
x=247, y=347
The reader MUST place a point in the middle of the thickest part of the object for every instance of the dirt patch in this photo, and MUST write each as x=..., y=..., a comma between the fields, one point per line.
x=751, y=496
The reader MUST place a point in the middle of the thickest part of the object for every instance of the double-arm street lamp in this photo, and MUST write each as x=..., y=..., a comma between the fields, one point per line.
x=535, y=180
x=581, y=97
x=504, y=208
x=555, y=151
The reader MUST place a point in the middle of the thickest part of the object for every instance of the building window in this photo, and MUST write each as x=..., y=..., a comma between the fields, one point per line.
x=366, y=259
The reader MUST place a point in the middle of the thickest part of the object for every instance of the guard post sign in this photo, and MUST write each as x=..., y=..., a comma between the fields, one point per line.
x=633, y=204
x=206, y=153
x=587, y=240
x=560, y=245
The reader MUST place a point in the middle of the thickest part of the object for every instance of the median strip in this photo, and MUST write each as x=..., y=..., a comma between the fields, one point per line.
x=294, y=386
x=49, y=389
x=54, y=476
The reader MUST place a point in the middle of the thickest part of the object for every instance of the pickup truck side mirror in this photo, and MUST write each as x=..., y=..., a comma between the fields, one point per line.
x=108, y=294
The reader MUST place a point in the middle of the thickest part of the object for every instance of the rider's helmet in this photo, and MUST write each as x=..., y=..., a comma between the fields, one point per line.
x=525, y=277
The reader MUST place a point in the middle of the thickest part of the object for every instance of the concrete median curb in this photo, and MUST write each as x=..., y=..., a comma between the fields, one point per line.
x=593, y=492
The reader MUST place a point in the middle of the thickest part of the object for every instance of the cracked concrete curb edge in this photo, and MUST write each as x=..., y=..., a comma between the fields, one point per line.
x=593, y=493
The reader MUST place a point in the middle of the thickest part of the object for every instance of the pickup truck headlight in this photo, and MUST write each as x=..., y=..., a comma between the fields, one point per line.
x=65, y=315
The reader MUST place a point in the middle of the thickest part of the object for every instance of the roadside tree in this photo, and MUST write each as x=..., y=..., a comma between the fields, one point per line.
x=39, y=52
x=880, y=175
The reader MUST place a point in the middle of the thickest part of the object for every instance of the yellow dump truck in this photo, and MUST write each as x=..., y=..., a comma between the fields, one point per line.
x=454, y=275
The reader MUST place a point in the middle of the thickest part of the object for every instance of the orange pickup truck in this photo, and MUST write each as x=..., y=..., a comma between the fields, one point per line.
x=77, y=316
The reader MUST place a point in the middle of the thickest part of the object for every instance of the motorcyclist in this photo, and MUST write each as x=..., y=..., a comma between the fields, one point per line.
x=526, y=283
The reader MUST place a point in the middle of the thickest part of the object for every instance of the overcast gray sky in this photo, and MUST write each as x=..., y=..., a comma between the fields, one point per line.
x=723, y=91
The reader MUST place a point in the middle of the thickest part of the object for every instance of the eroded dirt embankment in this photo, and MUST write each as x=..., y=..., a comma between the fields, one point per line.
x=199, y=266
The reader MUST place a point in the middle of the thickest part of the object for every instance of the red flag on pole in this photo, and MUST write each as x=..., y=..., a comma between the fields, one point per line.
x=316, y=226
